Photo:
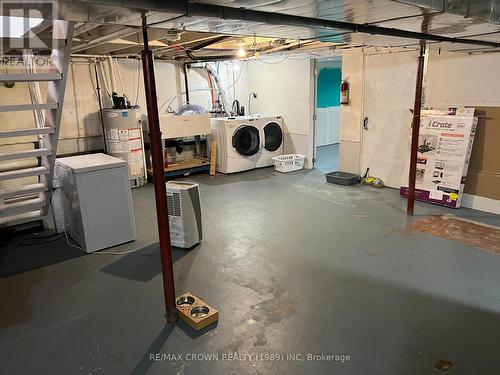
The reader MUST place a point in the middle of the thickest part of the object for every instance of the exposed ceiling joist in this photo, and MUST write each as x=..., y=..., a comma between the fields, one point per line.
x=116, y=35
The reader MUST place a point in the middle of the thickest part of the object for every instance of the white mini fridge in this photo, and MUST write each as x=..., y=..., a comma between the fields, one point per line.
x=96, y=199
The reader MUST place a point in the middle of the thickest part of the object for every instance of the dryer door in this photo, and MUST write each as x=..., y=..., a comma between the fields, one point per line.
x=273, y=136
x=246, y=140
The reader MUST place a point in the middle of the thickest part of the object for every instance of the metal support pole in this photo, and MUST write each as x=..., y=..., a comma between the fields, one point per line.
x=186, y=86
x=167, y=267
x=415, y=130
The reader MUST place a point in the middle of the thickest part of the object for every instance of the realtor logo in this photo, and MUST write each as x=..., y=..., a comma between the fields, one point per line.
x=27, y=25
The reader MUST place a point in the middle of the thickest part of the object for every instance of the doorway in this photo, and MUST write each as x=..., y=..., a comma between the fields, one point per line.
x=328, y=80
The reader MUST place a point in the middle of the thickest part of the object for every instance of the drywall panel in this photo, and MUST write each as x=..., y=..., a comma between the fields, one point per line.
x=283, y=89
x=295, y=144
x=351, y=115
x=296, y=115
x=460, y=79
x=389, y=95
x=349, y=156
x=286, y=88
x=80, y=117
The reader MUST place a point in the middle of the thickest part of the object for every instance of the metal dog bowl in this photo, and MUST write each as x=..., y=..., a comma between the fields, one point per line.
x=185, y=301
x=199, y=311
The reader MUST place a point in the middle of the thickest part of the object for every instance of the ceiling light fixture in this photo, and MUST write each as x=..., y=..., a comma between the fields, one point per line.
x=241, y=52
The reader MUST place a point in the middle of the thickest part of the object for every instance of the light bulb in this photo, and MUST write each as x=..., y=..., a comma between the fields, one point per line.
x=241, y=52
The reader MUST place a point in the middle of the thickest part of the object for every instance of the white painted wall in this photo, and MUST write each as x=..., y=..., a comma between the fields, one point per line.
x=80, y=126
x=286, y=89
x=460, y=79
x=351, y=115
x=389, y=89
x=327, y=125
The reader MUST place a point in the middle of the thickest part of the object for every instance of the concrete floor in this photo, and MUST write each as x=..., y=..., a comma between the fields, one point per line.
x=293, y=264
x=327, y=158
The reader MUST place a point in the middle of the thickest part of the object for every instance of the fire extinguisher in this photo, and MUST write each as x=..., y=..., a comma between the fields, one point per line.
x=344, y=92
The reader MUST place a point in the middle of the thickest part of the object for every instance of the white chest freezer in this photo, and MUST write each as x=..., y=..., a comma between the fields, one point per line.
x=96, y=199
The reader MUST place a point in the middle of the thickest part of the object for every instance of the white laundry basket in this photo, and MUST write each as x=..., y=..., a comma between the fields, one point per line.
x=289, y=163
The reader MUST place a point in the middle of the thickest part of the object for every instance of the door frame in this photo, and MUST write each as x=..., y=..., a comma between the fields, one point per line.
x=314, y=102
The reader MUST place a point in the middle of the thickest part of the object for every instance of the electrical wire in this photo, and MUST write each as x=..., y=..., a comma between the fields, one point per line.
x=99, y=252
x=69, y=243
x=139, y=70
x=105, y=252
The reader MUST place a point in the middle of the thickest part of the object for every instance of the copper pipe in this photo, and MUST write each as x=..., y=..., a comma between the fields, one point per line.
x=167, y=267
x=415, y=131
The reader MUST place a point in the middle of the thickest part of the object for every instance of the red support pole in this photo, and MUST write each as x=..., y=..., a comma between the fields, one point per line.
x=167, y=267
x=415, y=130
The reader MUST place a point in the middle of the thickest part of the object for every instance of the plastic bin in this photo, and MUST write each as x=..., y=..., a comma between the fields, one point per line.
x=342, y=178
x=289, y=163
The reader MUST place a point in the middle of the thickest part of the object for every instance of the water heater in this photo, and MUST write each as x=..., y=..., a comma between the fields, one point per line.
x=184, y=213
x=123, y=137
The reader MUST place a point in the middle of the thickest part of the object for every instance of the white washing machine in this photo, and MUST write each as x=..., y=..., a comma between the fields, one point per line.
x=271, y=139
x=238, y=143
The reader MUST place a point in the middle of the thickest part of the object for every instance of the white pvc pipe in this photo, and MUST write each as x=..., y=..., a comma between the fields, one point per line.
x=225, y=102
x=111, y=74
x=120, y=76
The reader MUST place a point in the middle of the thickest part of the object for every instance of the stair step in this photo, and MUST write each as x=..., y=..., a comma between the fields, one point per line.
x=26, y=154
x=27, y=107
x=30, y=77
x=25, y=172
x=23, y=132
x=22, y=190
x=20, y=219
x=28, y=205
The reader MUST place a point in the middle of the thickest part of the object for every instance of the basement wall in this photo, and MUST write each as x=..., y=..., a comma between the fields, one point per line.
x=286, y=89
x=80, y=126
x=386, y=84
x=473, y=80
x=351, y=115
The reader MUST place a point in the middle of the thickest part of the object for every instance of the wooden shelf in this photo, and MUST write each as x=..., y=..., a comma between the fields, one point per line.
x=185, y=167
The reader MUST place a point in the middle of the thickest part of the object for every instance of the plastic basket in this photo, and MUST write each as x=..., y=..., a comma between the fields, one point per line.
x=289, y=163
